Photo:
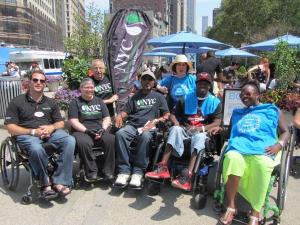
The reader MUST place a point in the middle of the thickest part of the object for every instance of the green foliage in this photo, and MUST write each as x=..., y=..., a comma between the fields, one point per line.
x=284, y=99
x=255, y=20
x=241, y=72
x=286, y=65
x=86, y=41
x=74, y=71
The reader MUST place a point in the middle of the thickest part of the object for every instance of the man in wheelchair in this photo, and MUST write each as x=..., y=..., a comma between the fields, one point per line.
x=195, y=128
x=35, y=119
x=250, y=155
x=142, y=112
x=89, y=118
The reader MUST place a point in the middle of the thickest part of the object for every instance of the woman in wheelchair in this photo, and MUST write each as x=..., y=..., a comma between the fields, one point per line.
x=89, y=118
x=194, y=127
x=250, y=155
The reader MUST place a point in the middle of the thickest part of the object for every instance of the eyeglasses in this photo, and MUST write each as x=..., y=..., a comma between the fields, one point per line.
x=35, y=80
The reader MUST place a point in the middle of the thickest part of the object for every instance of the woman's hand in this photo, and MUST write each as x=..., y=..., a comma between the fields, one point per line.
x=273, y=149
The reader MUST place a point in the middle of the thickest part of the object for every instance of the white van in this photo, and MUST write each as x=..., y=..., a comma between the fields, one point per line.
x=48, y=61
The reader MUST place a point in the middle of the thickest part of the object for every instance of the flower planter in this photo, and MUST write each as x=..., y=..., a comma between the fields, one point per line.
x=53, y=86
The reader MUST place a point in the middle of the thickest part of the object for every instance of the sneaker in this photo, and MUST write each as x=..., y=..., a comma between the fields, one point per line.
x=136, y=180
x=161, y=172
x=183, y=181
x=122, y=179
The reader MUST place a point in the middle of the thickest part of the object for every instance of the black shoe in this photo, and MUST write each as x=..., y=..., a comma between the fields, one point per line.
x=92, y=177
x=109, y=177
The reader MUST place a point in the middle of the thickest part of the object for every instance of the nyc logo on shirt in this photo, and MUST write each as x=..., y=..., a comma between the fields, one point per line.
x=146, y=103
x=90, y=109
x=103, y=88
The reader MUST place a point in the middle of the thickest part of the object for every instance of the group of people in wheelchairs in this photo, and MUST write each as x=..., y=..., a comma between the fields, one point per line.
x=188, y=121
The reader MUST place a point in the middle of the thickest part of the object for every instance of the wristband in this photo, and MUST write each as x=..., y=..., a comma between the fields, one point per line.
x=32, y=132
x=281, y=142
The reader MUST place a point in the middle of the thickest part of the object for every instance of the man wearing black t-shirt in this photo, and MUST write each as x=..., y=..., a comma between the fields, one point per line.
x=103, y=87
x=142, y=111
x=35, y=119
x=89, y=117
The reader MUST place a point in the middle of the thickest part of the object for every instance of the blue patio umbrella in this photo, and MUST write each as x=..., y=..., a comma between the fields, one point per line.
x=161, y=54
x=234, y=52
x=178, y=49
x=269, y=45
x=185, y=39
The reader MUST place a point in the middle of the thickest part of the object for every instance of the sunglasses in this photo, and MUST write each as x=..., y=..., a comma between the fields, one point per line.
x=35, y=80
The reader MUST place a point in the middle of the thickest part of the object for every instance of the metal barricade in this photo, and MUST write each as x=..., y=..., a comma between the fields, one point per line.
x=9, y=88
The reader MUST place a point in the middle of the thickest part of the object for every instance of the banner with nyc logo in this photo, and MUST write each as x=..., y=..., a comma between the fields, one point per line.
x=125, y=42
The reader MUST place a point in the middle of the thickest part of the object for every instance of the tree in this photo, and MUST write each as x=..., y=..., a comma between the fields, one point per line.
x=87, y=39
x=255, y=20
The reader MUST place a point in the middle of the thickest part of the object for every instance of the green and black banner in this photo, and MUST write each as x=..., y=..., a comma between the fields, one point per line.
x=126, y=39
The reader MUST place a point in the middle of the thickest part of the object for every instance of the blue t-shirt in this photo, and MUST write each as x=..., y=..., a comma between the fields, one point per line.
x=253, y=129
x=182, y=88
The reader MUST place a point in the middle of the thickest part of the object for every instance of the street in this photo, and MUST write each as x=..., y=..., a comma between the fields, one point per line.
x=102, y=205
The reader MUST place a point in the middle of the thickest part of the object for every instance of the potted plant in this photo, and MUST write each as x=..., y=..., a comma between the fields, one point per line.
x=53, y=82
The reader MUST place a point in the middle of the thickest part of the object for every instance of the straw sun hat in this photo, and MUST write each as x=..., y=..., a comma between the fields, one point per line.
x=182, y=59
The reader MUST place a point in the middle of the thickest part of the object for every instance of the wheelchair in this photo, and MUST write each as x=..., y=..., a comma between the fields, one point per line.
x=205, y=166
x=12, y=157
x=80, y=176
x=279, y=180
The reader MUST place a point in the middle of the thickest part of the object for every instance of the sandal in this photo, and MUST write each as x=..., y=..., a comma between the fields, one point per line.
x=48, y=194
x=63, y=191
x=228, y=216
x=254, y=220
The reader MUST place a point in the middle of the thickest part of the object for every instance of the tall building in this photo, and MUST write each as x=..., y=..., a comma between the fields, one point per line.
x=38, y=24
x=157, y=11
x=178, y=15
x=74, y=10
x=204, y=24
x=190, y=13
x=216, y=11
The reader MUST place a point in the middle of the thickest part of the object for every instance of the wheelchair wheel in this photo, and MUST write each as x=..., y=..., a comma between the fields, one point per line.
x=211, y=178
x=283, y=179
x=9, y=164
x=199, y=201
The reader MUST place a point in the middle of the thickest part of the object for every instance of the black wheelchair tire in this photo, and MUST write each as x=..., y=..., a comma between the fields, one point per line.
x=10, y=178
x=211, y=177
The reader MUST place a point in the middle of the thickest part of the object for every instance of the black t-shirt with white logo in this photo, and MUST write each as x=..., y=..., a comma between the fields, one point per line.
x=103, y=90
x=27, y=113
x=144, y=107
x=89, y=113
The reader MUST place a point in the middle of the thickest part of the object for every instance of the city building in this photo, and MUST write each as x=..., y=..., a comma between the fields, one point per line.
x=216, y=11
x=204, y=24
x=38, y=24
x=178, y=15
x=190, y=13
x=74, y=10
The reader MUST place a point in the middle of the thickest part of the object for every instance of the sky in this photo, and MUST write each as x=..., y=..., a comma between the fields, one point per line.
x=203, y=8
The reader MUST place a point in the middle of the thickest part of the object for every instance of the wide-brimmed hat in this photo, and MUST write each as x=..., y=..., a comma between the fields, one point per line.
x=149, y=73
x=204, y=77
x=182, y=59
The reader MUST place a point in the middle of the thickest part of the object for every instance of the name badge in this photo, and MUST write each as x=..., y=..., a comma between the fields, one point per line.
x=39, y=114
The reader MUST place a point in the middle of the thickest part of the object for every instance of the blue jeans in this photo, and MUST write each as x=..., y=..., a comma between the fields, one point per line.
x=132, y=160
x=38, y=158
x=177, y=135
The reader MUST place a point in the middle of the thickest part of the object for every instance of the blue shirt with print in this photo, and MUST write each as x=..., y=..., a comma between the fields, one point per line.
x=253, y=129
x=182, y=87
